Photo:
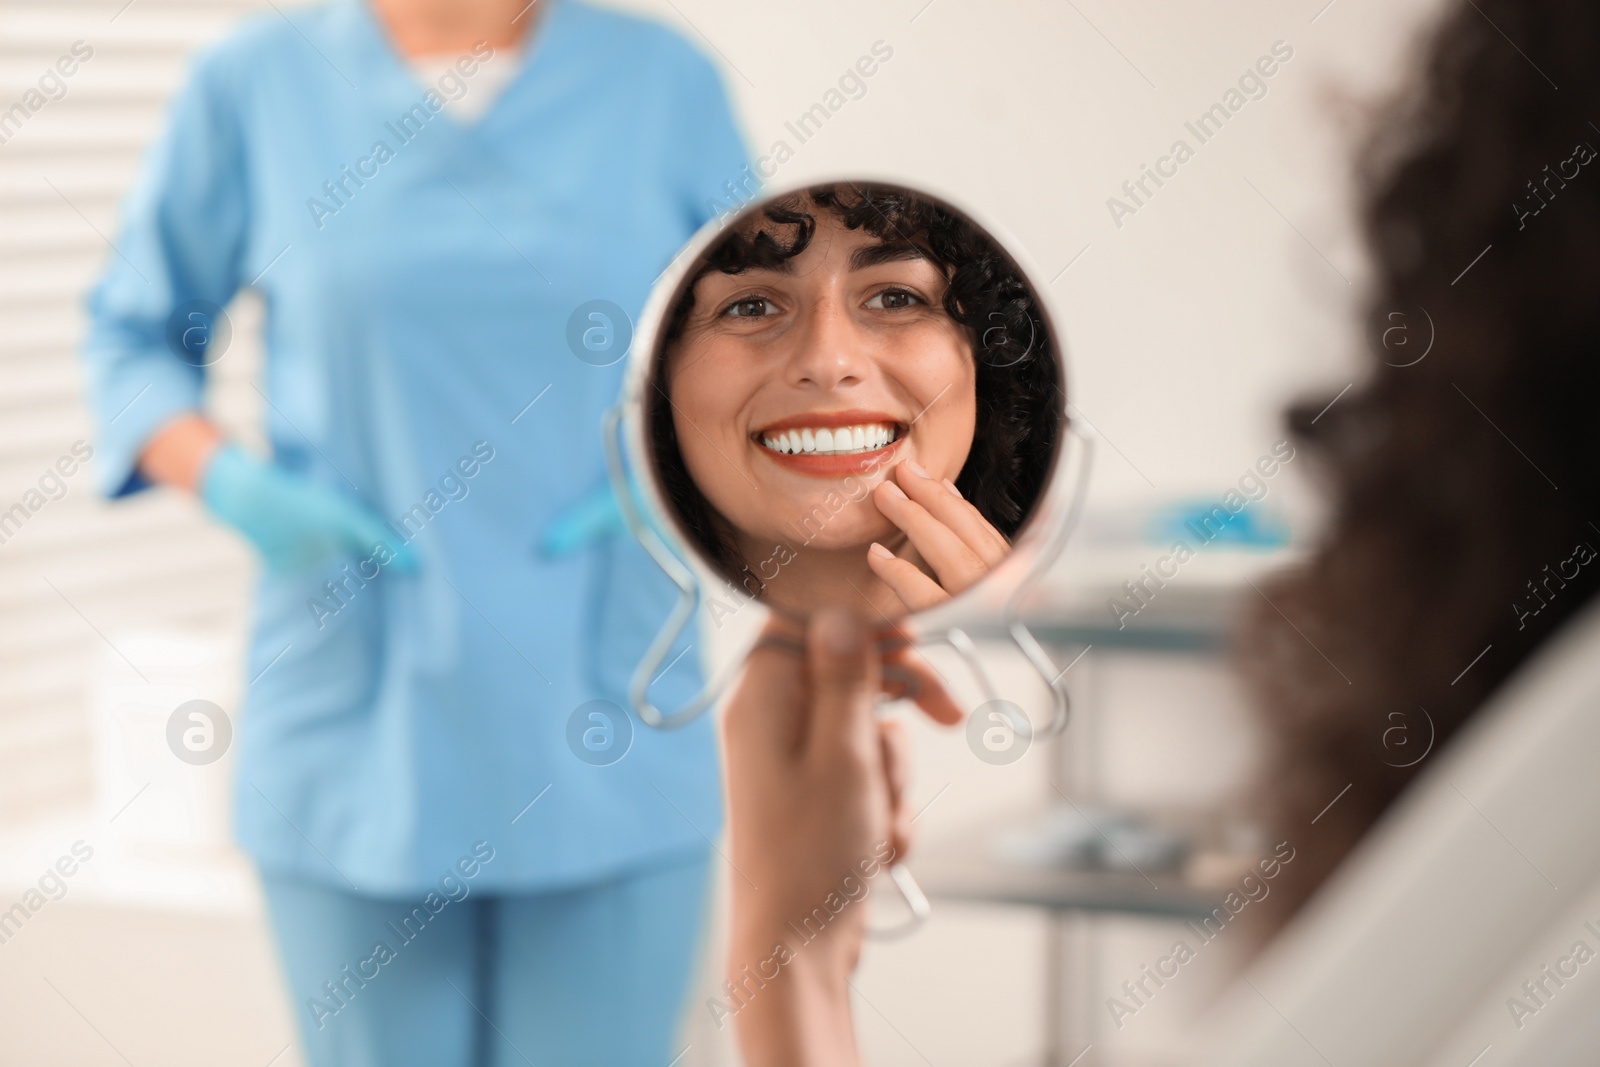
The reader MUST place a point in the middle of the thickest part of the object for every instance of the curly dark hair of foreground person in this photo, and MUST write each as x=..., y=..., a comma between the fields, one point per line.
x=1020, y=408
x=1465, y=488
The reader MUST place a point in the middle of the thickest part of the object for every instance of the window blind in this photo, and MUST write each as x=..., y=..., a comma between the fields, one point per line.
x=76, y=572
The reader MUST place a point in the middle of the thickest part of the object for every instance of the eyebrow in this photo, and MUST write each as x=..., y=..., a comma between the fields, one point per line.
x=866, y=256
x=872, y=255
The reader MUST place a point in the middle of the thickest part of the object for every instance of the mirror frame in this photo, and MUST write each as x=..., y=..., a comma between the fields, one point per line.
x=997, y=594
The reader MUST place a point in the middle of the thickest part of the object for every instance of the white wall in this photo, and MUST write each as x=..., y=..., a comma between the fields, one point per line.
x=1188, y=325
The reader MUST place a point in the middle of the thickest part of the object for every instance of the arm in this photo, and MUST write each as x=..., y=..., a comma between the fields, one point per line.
x=184, y=229
x=801, y=1020
x=815, y=786
x=182, y=232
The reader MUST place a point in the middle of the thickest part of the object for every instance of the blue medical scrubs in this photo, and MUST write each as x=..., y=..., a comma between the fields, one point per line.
x=420, y=277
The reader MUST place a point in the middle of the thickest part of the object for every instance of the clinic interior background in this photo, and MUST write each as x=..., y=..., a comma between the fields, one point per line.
x=1187, y=320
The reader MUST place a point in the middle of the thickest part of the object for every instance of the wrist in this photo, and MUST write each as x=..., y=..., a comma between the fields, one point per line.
x=789, y=1001
x=180, y=452
x=826, y=954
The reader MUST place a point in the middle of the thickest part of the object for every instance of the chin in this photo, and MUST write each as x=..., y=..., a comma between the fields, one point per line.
x=819, y=528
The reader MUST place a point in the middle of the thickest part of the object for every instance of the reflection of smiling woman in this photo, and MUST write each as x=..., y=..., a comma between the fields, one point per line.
x=832, y=338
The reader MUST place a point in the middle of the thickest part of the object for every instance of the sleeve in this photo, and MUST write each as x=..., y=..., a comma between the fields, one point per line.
x=181, y=239
x=713, y=163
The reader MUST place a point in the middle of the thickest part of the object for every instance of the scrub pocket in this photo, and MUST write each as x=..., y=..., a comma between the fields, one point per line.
x=632, y=602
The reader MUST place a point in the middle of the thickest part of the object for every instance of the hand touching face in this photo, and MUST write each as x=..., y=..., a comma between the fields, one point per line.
x=951, y=537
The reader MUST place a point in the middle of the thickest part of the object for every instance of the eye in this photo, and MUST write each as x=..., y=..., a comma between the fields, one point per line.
x=750, y=307
x=892, y=299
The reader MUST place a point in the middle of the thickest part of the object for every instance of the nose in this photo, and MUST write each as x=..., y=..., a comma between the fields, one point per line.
x=832, y=352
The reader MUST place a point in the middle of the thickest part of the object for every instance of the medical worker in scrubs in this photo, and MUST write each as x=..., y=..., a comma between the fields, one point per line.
x=449, y=208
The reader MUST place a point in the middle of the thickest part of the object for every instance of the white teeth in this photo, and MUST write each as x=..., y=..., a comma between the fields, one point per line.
x=840, y=440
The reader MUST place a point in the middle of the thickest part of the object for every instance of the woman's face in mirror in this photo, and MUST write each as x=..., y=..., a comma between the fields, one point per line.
x=797, y=388
x=856, y=398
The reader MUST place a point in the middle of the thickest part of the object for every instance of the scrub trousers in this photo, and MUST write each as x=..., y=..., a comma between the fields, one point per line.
x=593, y=976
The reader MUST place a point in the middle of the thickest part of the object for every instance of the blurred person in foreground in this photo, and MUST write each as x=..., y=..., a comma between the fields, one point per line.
x=450, y=209
x=1438, y=549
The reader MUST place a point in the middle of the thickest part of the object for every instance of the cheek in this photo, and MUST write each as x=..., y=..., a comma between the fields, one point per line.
x=698, y=456
x=710, y=388
x=945, y=384
x=703, y=419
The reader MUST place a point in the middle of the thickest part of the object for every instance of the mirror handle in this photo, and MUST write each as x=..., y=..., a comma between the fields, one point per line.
x=682, y=612
x=916, y=903
x=1079, y=460
x=957, y=639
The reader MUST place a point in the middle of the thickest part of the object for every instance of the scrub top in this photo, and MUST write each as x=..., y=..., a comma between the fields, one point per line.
x=427, y=286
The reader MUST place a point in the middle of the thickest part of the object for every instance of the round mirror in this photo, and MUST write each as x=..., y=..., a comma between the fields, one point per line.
x=849, y=392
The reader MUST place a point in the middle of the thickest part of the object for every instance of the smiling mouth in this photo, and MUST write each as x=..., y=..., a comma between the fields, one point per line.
x=853, y=440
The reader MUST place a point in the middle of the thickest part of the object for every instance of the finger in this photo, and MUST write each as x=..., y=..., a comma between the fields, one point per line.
x=845, y=678
x=915, y=589
x=895, y=745
x=927, y=688
x=956, y=565
x=944, y=502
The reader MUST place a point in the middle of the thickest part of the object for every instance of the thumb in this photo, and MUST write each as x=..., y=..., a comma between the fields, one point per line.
x=845, y=676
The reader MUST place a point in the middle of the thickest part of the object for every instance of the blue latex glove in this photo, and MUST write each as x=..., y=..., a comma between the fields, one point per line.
x=593, y=518
x=295, y=523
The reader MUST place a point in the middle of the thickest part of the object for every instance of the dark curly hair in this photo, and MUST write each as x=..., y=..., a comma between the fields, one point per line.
x=1020, y=406
x=1465, y=486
